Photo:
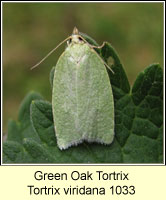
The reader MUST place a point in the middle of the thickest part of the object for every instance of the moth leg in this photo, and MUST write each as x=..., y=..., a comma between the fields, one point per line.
x=68, y=43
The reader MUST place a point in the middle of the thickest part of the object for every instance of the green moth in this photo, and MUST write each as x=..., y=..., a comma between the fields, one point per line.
x=82, y=100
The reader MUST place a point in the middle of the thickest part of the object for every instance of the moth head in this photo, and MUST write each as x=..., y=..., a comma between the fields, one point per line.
x=75, y=31
x=75, y=37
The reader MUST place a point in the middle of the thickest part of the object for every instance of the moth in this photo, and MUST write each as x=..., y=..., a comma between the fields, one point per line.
x=82, y=99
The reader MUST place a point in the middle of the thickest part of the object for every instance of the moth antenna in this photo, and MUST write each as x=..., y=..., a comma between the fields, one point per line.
x=99, y=47
x=50, y=52
x=108, y=66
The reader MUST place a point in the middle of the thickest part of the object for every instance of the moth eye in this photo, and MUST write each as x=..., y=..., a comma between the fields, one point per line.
x=70, y=40
x=80, y=39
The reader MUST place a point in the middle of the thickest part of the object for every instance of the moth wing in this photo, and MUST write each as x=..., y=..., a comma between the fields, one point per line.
x=83, y=106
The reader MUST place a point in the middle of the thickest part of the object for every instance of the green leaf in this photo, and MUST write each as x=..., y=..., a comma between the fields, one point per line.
x=138, y=123
x=42, y=121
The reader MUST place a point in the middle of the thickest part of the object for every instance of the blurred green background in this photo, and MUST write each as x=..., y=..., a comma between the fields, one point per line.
x=31, y=30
